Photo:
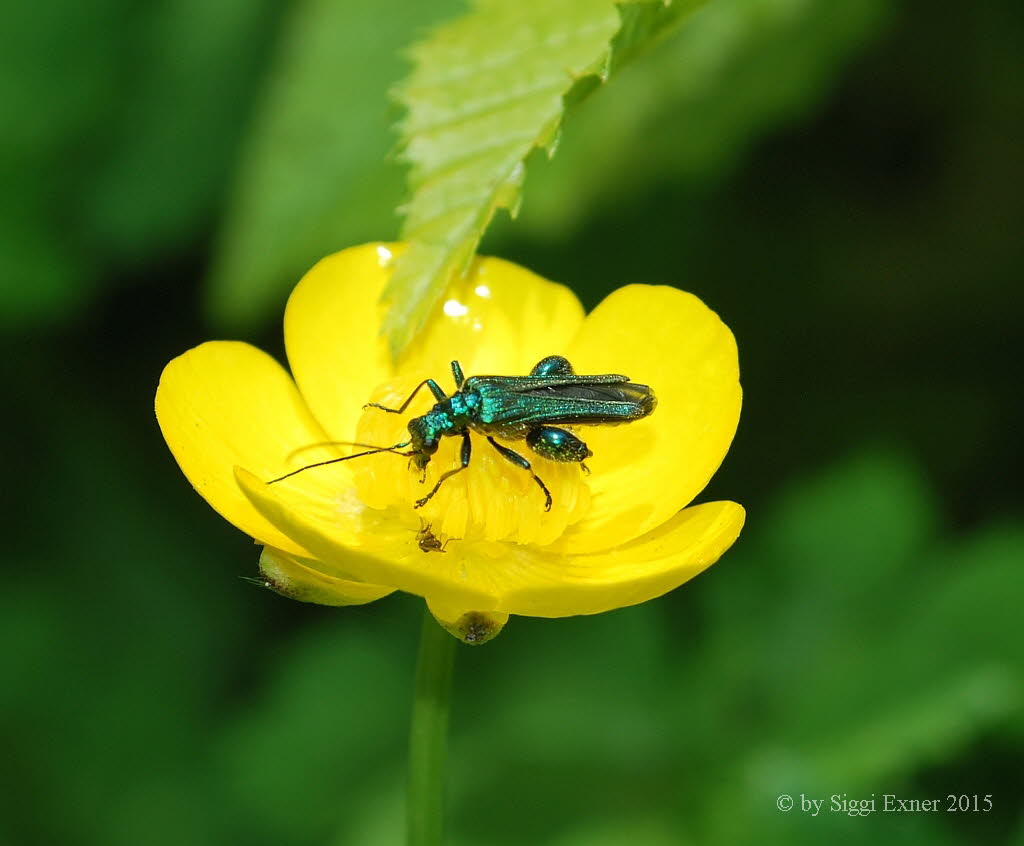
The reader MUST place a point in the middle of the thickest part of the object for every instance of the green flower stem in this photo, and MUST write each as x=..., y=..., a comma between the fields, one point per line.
x=428, y=734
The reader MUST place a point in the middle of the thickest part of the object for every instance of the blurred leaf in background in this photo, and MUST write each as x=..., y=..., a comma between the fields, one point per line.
x=171, y=143
x=315, y=173
x=886, y=649
x=52, y=109
x=692, y=108
x=123, y=124
x=330, y=718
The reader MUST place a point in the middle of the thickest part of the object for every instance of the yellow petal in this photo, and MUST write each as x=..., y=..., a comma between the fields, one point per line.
x=505, y=578
x=225, y=403
x=645, y=568
x=643, y=472
x=370, y=545
x=302, y=579
x=332, y=335
x=472, y=627
x=498, y=319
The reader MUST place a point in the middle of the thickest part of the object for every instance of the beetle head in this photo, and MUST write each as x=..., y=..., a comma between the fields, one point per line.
x=424, y=439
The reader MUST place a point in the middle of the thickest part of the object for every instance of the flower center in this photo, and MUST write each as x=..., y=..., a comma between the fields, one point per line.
x=491, y=500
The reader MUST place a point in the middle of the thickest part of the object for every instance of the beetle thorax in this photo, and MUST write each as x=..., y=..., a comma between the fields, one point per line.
x=460, y=408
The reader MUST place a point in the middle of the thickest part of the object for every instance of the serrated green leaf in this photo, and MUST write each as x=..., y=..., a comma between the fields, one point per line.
x=644, y=23
x=486, y=90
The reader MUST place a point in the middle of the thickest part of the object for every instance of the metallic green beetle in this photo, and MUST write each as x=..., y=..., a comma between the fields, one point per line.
x=531, y=408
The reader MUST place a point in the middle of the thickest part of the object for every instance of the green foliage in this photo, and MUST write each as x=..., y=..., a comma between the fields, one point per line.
x=168, y=147
x=123, y=124
x=51, y=107
x=126, y=137
x=835, y=621
x=486, y=90
x=307, y=184
x=333, y=709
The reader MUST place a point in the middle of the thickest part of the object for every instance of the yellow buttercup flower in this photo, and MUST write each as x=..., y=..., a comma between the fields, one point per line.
x=483, y=547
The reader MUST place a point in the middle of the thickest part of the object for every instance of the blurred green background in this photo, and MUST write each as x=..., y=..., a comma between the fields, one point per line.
x=842, y=180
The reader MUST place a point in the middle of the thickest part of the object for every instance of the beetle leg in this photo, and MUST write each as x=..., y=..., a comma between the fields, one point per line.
x=435, y=389
x=519, y=461
x=463, y=464
x=557, y=444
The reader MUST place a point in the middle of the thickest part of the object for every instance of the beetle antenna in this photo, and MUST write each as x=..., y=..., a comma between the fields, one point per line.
x=395, y=449
x=301, y=449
